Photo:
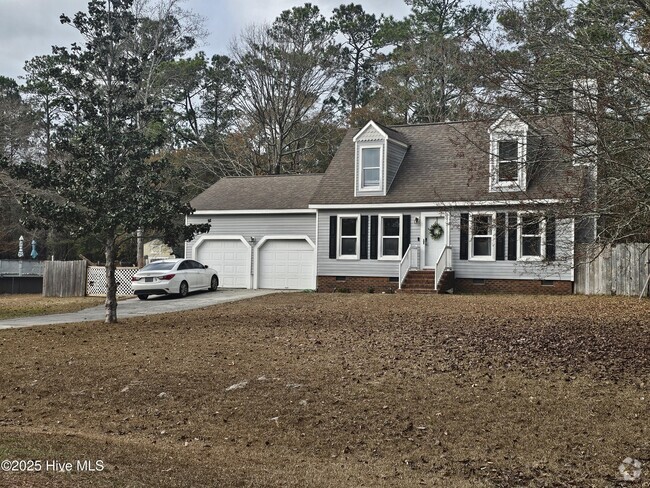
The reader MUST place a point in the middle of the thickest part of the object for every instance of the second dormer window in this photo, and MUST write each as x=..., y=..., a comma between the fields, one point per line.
x=370, y=167
x=508, y=151
x=508, y=160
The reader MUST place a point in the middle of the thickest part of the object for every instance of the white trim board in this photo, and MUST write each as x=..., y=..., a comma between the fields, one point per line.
x=476, y=203
x=254, y=211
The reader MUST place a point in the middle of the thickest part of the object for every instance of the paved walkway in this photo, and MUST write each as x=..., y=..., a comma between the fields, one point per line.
x=137, y=308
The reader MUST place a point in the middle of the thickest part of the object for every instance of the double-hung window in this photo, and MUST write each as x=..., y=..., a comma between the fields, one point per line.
x=508, y=160
x=370, y=168
x=390, y=236
x=482, y=236
x=508, y=154
x=348, y=242
x=532, y=236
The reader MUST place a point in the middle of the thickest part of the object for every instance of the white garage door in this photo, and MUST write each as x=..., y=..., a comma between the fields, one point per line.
x=231, y=259
x=286, y=264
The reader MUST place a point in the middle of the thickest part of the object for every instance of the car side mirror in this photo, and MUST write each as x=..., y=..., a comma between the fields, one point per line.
x=205, y=266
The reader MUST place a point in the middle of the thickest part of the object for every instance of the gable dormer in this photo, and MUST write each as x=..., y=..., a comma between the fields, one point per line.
x=508, y=151
x=379, y=152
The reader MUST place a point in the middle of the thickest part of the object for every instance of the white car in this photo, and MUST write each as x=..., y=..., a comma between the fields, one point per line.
x=173, y=276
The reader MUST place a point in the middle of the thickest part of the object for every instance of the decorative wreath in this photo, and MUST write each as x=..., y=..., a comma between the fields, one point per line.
x=436, y=231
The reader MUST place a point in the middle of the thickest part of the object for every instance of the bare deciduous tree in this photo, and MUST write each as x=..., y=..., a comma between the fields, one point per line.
x=288, y=71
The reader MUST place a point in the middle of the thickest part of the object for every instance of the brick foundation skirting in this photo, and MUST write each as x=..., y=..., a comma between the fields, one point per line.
x=363, y=284
x=527, y=287
x=379, y=284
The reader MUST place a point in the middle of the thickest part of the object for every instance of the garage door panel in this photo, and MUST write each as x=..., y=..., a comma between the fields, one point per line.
x=231, y=259
x=286, y=264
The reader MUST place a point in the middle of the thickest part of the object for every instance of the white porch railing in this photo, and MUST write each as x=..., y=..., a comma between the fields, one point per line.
x=405, y=265
x=443, y=263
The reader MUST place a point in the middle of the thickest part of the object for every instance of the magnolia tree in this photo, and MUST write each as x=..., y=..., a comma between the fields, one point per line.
x=106, y=177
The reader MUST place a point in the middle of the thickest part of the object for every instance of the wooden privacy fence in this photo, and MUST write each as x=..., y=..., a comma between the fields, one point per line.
x=621, y=269
x=64, y=279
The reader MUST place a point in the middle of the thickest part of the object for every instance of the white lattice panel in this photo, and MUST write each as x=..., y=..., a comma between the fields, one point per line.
x=96, y=281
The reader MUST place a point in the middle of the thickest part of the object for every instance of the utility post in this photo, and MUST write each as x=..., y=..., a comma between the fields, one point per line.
x=140, y=245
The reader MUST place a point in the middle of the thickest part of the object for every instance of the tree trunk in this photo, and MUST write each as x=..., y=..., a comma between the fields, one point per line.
x=111, y=284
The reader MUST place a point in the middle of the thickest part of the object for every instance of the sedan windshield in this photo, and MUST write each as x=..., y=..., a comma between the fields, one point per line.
x=159, y=266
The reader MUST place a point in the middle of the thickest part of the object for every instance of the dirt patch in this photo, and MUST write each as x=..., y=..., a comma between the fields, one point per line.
x=14, y=306
x=337, y=390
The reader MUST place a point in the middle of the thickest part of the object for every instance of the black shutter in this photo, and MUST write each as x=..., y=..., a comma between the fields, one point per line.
x=406, y=233
x=550, y=238
x=333, y=221
x=464, y=235
x=512, y=237
x=501, y=236
x=364, y=237
x=374, y=232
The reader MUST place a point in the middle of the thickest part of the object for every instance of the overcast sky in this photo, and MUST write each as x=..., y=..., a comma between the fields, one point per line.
x=29, y=28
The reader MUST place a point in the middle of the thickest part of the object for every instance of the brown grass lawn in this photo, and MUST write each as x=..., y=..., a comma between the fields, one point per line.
x=337, y=390
x=12, y=306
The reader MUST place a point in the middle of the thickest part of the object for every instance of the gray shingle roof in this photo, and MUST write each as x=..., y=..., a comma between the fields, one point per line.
x=446, y=162
x=393, y=134
x=259, y=193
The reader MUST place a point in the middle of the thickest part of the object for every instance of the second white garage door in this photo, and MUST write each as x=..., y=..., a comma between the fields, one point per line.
x=286, y=264
x=230, y=257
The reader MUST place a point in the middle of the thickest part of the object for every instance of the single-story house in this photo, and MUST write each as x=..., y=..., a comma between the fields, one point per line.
x=468, y=206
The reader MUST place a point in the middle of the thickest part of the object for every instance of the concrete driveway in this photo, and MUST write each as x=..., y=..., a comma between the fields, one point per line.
x=137, y=308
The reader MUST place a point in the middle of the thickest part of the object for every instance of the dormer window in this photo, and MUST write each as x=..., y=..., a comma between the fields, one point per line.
x=371, y=168
x=508, y=154
x=378, y=154
x=508, y=161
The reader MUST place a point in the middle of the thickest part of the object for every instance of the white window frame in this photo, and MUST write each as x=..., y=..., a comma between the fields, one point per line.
x=508, y=128
x=493, y=235
x=340, y=236
x=360, y=186
x=518, y=184
x=398, y=257
x=500, y=160
x=521, y=235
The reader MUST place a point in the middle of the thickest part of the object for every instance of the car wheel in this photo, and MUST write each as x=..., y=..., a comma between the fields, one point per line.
x=143, y=297
x=183, y=290
x=214, y=283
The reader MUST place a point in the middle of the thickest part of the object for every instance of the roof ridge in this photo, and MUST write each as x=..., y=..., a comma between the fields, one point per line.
x=269, y=176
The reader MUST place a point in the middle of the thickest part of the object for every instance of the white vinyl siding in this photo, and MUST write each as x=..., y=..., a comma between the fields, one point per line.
x=560, y=269
x=395, y=154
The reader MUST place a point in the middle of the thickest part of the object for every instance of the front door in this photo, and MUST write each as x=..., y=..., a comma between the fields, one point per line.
x=433, y=247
